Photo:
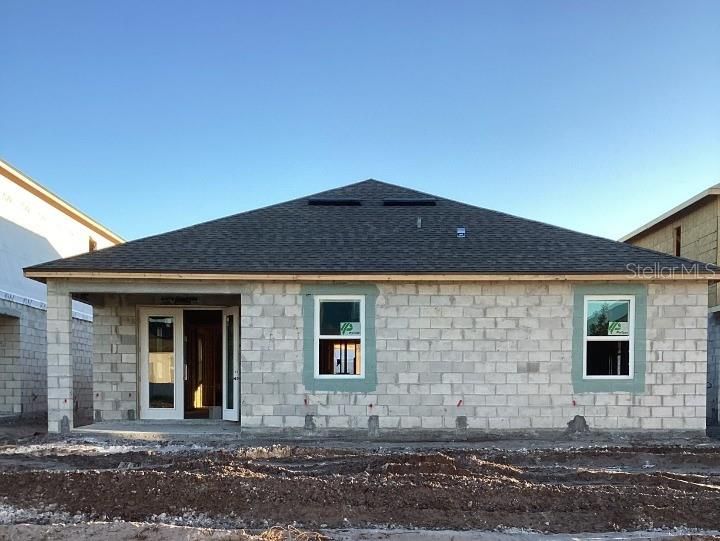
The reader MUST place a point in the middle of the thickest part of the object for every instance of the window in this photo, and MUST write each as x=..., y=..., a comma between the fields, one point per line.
x=339, y=336
x=161, y=361
x=349, y=357
x=678, y=240
x=608, y=337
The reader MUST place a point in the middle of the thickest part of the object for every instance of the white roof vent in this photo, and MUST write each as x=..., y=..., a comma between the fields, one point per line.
x=461, y=232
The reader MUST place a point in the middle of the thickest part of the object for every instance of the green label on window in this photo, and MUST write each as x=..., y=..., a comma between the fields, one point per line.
x=618, y=328
x=608, y=317
x=350, y=328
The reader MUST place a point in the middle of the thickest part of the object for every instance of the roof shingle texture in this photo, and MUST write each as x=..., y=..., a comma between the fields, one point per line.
x=296, y=237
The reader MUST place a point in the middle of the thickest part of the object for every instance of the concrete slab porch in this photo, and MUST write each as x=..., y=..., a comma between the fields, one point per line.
x=189, y=429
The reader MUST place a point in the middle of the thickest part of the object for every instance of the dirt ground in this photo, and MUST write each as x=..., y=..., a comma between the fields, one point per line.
x=569, y=488
x=133, y=531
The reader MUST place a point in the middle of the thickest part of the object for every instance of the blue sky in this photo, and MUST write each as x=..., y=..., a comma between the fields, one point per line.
x=149, y=116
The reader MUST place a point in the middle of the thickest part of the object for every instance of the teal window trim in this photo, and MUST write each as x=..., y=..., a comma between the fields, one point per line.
x=365, y=384
x=634, y=385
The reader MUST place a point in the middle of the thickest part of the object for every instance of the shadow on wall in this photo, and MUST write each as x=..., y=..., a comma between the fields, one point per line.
x=713, y=368
x=19, y=248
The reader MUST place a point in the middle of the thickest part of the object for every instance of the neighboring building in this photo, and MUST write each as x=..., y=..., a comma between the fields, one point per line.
x=691, y=230
x=376, y=307
x=36, y=225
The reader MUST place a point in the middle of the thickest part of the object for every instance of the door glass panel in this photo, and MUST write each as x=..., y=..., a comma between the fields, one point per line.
x=161, y=361
x=230, y=364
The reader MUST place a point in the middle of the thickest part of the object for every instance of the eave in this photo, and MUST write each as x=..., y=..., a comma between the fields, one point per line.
x=43, y=276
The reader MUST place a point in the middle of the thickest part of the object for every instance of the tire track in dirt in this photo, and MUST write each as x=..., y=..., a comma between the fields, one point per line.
x=425, y=500
x=551, y=490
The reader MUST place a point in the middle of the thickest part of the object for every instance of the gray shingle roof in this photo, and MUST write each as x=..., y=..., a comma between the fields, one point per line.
x=314, y=234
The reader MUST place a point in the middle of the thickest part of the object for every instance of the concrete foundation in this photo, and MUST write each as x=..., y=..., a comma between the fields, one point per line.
x=213, y=431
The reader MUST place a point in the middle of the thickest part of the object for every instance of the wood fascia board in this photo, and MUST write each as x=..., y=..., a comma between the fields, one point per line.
x=44, y=275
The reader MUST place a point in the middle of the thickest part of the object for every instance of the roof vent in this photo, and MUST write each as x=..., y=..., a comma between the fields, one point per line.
x=338, y=202
x=461, y=232
x=417, y=202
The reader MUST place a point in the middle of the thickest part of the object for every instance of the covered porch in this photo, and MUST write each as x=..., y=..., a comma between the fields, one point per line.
x=166, y=351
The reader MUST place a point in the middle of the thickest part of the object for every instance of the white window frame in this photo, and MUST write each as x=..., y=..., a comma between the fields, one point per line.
x=630, y=338
x=339, y=298
x=178, y=410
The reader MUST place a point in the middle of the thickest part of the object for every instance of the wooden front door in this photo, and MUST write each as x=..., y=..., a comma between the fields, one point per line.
x=203, y=364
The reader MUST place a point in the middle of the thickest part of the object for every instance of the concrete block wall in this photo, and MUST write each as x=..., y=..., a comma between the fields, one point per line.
x=114, y=375
x=59, y=359
x=40, y=351
x=23, y=389
x=23, y=362
x=271, y=362
x=81, y=347
x=32, y=364
x=9, y=365
x=497, y=353
x=677, y=342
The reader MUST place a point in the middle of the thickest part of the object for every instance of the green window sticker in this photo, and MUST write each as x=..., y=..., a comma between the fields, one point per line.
x=350, y=328
x=618, y=328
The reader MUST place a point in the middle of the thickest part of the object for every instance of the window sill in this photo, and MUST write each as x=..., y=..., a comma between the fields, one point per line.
x=339, y=376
